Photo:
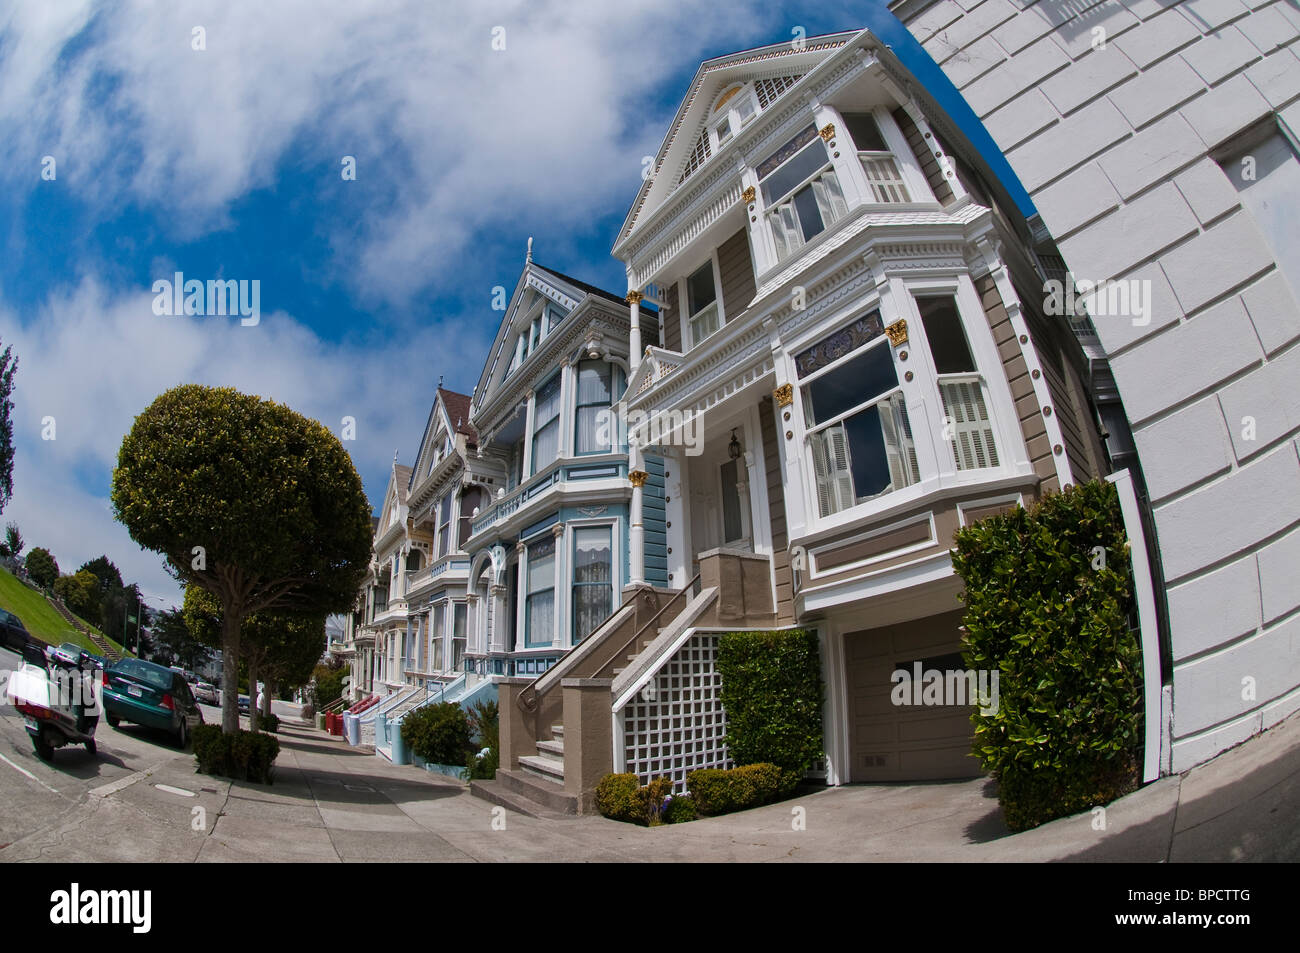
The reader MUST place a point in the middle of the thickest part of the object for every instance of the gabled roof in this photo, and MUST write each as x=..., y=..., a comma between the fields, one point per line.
x=778, y=59
x=564, y=290
x=453, y=409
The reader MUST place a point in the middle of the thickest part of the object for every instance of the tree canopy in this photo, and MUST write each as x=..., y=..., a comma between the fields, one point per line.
x=248, y=500
x=8, y=367
x=41, y=566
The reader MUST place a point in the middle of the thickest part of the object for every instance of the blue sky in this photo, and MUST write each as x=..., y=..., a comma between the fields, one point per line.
x=224, y=162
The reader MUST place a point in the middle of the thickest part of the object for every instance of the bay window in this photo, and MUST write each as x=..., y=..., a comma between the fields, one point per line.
x=801, y=192
x=966, y=415
x=539, y=603
x=859, y=437
x=599, y=385
x=878, y=161
x=546, y=424
x=593, y=579
x=702, y=303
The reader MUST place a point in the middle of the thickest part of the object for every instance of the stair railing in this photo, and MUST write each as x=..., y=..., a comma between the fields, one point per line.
x=530, y=699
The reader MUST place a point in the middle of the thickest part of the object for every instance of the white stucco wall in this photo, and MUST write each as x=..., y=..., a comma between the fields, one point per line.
x=1117, y=145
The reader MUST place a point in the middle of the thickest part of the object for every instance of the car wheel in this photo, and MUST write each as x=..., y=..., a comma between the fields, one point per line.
x=183, y=736
x=113, y=721
x=43, y=751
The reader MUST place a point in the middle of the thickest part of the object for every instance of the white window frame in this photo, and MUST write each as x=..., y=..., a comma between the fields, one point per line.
x=615, y=525
x=683, y=298
x=731, y=114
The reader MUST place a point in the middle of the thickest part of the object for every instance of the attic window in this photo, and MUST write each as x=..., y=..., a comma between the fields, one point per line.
x=699, y=155
x=769, y=89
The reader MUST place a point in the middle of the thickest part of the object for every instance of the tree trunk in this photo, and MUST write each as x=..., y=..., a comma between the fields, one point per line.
x=254, y=716
x=230, y=672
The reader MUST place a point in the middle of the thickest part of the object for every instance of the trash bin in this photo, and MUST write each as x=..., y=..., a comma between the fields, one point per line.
x=397, y=745
x=320, y=722
x=352, y=729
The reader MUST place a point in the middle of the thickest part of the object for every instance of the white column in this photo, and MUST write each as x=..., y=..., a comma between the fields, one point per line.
x=634, y=304
x=636, y=528
x=559, y=638
x=527, y=467
x=521, y=597
x=496, y=634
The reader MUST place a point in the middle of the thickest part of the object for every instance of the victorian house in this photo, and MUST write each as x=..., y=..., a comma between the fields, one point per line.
x=847, y=360
x=548, y=543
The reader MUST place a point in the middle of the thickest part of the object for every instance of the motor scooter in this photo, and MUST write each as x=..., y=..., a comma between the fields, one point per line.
x=59, y=700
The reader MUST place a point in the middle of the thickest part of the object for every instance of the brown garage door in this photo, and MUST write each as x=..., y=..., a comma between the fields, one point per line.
x=889, y=742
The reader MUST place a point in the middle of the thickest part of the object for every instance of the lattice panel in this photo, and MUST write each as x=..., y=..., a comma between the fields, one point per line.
x=676, y=724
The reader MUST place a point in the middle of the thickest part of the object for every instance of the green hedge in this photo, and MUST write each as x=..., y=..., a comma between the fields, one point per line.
x=438, y=733
x=622, y=797
x=1050, y=613
x=484, y=725
x=718, y=791
x=269, y=722
x=244, y=755
x=772, y=692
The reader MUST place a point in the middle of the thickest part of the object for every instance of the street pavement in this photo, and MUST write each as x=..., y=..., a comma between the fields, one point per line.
x=141, y=800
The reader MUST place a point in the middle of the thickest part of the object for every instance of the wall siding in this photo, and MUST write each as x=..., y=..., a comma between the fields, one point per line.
x=737, y=270
x=925, y=156
x=1117, y=147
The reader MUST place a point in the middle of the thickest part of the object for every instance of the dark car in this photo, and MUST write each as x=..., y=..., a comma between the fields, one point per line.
x=147, y=694
x=13, y=634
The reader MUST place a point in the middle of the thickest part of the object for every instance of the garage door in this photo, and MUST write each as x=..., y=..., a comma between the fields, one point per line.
x=889, y=742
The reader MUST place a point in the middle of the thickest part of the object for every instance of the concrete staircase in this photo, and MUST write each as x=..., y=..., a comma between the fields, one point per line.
x=537, y=787
x=105, y=648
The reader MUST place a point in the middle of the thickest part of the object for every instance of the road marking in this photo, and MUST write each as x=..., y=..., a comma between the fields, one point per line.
x=23, y=771
x=171, y=790
x=104, y=790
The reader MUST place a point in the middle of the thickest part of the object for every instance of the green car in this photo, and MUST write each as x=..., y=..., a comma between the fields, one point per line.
x=147, y=694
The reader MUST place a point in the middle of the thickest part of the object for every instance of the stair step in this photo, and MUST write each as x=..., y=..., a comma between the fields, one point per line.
x=548, y=768
x=552, y=747
x=557, y=732
x=546, y=793
x=618, y=671
x=496, y=792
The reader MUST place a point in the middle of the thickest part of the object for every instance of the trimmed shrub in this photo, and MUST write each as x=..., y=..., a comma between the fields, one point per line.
x=772, y=692
x=244, y=755
x=1049, y=599
x=484, y=725
x=269, y=722
x=622, y=797
x=678, y=809
x=438, y=733
x=719, y=791
x=483, y=767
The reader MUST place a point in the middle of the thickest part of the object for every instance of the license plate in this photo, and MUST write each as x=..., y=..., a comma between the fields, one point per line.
x=134, y=691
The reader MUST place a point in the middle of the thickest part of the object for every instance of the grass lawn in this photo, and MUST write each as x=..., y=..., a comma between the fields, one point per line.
x=42, y=619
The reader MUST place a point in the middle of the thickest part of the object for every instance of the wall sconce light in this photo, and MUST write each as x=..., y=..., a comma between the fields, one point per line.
x=733, y=448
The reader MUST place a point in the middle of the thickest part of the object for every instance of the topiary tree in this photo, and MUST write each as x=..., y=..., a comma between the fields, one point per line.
x=1049, y=601
x=248, y=500
x=42, y=567
x=8, y=368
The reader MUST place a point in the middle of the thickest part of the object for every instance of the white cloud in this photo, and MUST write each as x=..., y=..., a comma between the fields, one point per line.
x=553, y=126
x=92, y=361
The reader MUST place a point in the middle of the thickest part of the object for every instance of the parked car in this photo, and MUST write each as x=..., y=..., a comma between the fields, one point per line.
x=243, y=704
x=206, y=692
x=147, y=694
x=13, y=634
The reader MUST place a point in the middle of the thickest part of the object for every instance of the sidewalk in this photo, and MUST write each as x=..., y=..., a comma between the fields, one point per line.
x=331, y=803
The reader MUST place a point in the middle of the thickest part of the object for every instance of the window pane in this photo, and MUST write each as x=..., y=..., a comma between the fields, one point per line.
x=866, y=134
x=699, y=288
x=541, y=565
x=947, y=338
x=593, y=558
x=592, y=605
x=595, y=427
x=594, y=383
x=868, y=462
x=805, y=135
x=804, y=164
x=810, y=216
x=546, y=446
x=855, y=381
x=548, y=401
x=540, y=621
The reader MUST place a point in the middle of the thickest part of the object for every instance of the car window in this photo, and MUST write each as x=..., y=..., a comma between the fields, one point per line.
x=153, y=675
